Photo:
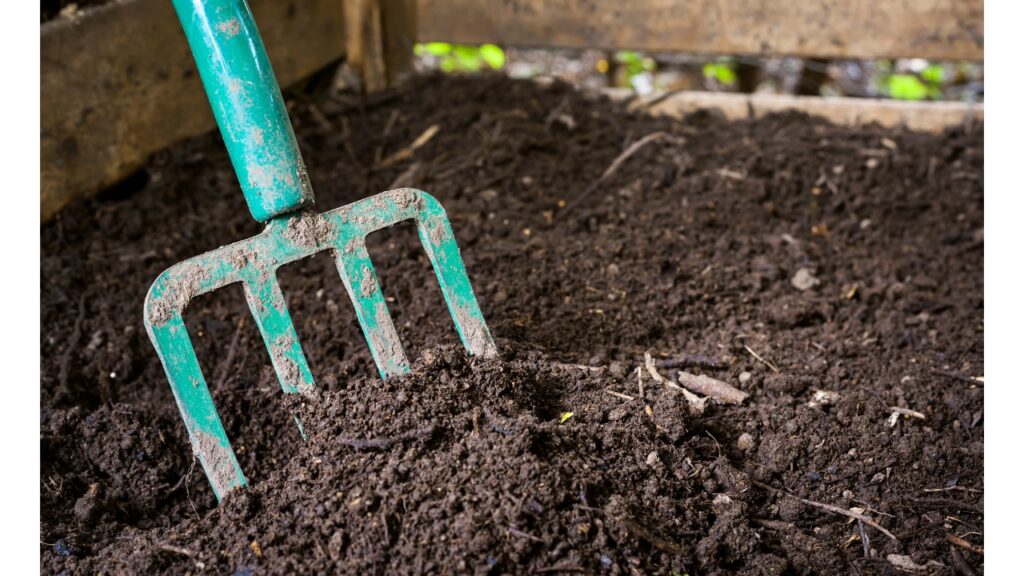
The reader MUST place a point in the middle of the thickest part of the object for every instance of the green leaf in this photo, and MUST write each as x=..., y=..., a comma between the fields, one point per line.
x=906, y=87
x=635, y=63
x=933, y=74
x=565, y=416
x=467, y=58
x=721, y=72
x=493, y=55
x=434, y=48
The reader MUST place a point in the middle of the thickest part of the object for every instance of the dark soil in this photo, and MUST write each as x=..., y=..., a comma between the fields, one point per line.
x=51, y=9
x=688, y=252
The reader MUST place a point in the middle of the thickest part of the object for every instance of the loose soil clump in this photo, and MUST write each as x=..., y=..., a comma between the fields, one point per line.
x=834, y=275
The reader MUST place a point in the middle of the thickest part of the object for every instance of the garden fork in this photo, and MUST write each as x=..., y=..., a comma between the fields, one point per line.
x=253, y=120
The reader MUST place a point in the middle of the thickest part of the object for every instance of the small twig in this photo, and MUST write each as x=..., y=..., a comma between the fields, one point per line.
x=958, y=376
x=633, y=148
x=697, y=404
x=907, y=412
x=174, y=550
x=188, y=476
x=958, y=541
x=720, y=391
x=959, y=564
x=408, y=176
x=897, y=412
x=947, y=502
x=385, y=443
x=864, y=540
x=698, y=361
x=577, y=367
x=831, y=508
x=406, y=153
x=517, y=532
x=320, y=118
x=765, y=362
x=640, y=380
x=626, y=397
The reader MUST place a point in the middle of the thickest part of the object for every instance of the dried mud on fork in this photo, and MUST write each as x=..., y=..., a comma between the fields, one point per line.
x=689, y=250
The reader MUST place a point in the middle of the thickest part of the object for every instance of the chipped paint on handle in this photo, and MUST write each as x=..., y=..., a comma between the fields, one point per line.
x=247, y=104
x=254, y=264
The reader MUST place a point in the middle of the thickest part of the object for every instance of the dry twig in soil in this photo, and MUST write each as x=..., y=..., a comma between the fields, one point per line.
x=697, y=404
x=716, y=389
x=762, y=360
x=406, y=153
x=958, y=541
x=633, y=148
x=831, y=508
x=958, y=376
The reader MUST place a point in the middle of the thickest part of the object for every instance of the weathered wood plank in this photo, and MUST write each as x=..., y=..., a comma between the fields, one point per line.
x=936, y=29
x=119, y=84
x=380, y=37
x=923, y=116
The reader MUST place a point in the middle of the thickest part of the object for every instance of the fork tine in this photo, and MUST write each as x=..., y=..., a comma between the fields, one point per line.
x=435, y=232
x=209, y=440
x=360, y=279
x=268, y=307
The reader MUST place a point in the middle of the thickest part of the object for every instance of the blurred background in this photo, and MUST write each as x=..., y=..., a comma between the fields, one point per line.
x=645, y=73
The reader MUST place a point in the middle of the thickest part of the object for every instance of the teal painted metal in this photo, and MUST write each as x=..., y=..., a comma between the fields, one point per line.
x=247, y=104
x=254, y=263
x=291, y=234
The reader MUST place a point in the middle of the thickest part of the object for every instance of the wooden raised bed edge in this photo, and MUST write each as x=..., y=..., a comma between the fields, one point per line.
x=922, y=116
x=119, y=83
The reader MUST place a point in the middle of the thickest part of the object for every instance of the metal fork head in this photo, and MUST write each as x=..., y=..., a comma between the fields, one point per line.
x=254, y=263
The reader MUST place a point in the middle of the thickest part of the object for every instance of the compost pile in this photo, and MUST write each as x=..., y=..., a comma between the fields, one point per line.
x=833, y=274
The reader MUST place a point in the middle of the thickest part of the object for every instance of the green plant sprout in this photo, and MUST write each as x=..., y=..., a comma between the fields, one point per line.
x=461, y=57
x=635, y=63
x=722, y=71
x=925, y=84
x=564, y=417
x=638, y=70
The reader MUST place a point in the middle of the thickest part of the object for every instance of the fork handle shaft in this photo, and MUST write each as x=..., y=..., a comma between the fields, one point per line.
x=247, y=104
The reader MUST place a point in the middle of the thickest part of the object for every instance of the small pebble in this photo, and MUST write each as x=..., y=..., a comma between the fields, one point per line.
x=804, y=280
x=814, y=476
x=653, y=460
x=62, y=548
x=745, y=377
x=745, y=442
x=617, y=414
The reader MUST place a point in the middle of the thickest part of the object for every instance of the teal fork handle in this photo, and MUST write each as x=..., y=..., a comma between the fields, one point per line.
x=247, y=104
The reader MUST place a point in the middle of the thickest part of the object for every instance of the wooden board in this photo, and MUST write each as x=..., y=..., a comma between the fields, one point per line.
x=119, y=83
x=934, y=29
x=923, y=116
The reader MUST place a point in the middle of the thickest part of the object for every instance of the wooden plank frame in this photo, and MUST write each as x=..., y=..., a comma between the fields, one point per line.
x=119, y=83
x=922, y=116
x=933, y=29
